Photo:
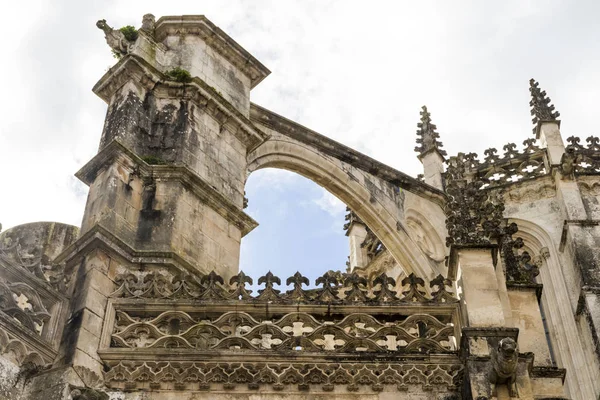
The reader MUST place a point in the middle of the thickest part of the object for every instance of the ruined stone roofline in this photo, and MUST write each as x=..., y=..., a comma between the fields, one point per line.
x=215, y=200
x=260, y=115
x=216, y=39
x=136, y=69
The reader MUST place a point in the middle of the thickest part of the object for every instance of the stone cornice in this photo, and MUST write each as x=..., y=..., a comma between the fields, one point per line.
x=210, y=196
x=526, y=287
x=260, y=115
x=182, y=355
x=216, y=39
x=265, y=309
x=136, y=69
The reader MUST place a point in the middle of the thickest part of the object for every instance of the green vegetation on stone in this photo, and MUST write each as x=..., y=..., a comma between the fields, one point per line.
x=180, y=75
x=129, y=32
x=153, y=160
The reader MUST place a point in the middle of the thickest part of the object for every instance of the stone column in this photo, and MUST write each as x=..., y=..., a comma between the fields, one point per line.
x=526, y=315
x=167, y=185
x=481, y=294
x=171, y=169
x=548, y=133
x=433, y=167
x=357, y=232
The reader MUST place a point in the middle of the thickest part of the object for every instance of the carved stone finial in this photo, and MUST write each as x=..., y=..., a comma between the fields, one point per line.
x=427, y=136
x=520, y=268
x=473, y=216
x=351, y=218
x=541, y=109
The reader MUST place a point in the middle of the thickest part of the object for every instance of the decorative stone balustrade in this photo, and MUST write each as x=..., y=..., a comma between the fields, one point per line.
x=32, y=300
x=579, y=159
x=333, y=334
x=513, y=166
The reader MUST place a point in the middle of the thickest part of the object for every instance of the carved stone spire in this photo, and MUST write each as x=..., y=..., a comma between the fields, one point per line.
x=541, y=109
x=427, y=136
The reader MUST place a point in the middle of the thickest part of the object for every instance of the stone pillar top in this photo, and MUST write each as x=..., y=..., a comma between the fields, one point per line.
x=199, y=25
x=185, y=49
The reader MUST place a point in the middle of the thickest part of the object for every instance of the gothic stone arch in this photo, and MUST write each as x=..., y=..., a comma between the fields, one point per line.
x=378, y=202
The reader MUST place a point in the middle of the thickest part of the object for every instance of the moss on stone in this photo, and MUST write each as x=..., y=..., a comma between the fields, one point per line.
x=154, y=160
x=129, y=32
x=180, y=75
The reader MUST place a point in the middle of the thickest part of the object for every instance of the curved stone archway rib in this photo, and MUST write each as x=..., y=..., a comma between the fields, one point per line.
x=381, y=215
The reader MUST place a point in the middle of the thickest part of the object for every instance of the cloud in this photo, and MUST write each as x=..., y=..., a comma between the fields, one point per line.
x=354, y=73
x=330, y=204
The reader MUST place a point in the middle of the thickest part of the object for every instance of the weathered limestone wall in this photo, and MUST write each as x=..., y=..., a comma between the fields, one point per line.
x=481, y=290
x=526, y=316
x=198, y=46
x=40, y=242
x=176, y=131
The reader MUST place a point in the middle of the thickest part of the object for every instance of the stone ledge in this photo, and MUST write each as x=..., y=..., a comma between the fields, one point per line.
x=183, y=174
x=266, y=309
x=216, y=39
x=286, y=375
x=526, y=287
x=549, y=372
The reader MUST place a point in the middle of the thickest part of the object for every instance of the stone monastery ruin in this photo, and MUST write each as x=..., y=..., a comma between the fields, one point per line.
x=478, y=280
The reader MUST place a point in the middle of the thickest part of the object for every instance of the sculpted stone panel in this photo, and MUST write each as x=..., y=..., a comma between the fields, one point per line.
x=443, y=377
x=334, y=288
x=298, y=331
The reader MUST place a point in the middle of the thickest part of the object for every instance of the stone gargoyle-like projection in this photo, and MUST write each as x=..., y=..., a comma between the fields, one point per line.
x=115, y=38
x=504, y=365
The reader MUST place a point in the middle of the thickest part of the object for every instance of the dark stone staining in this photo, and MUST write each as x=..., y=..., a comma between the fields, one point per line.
x=83, y=393
x=149, y=217
x=586, y=257
x=68, y=342
x=375, y=192
x=146, y=129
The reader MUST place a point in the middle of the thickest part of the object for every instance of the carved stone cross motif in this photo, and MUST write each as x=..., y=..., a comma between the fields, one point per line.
x=266, y=341
x=23, y=302
x=390, y=343
x=297, y=328
x=329, y=342
x=143, y=340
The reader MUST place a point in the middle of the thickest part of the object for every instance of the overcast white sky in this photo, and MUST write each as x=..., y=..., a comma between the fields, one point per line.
x=355, y=71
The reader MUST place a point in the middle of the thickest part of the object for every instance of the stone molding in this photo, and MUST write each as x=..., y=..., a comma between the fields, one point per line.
x=440, y=375
x=134, y=68
x=216, y=39
x=210, y=196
